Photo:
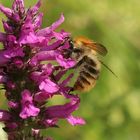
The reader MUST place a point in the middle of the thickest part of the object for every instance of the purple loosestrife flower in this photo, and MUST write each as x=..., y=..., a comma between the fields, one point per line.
x=64, y=111
x=32, y=64
x=28, y=109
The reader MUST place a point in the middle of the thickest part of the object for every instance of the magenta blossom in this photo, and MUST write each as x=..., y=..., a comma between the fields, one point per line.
x=64, y=111
x=28, y=108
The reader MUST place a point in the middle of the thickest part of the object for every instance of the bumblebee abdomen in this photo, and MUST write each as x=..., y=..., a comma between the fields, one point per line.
x=89, y=73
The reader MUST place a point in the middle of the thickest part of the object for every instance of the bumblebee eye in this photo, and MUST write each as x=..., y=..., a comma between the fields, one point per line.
x=77, y=50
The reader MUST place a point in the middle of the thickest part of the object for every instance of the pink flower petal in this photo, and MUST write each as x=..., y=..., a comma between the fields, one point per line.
x=62, y=111
x=54, y=26
x=66, y=63
x=75, y=120
x=7, y=11
x=48, y=86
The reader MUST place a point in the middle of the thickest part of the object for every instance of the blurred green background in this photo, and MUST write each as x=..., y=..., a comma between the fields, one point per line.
x=112, y=108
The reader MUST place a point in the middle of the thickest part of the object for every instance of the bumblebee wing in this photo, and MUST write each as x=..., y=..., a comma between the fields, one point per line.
x=99, y=48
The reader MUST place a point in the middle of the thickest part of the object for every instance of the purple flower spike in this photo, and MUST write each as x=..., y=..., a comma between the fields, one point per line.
x=35, y=66
x=28, y=108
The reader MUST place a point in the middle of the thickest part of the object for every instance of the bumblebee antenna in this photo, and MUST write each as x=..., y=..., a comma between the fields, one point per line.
x=108, y=68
